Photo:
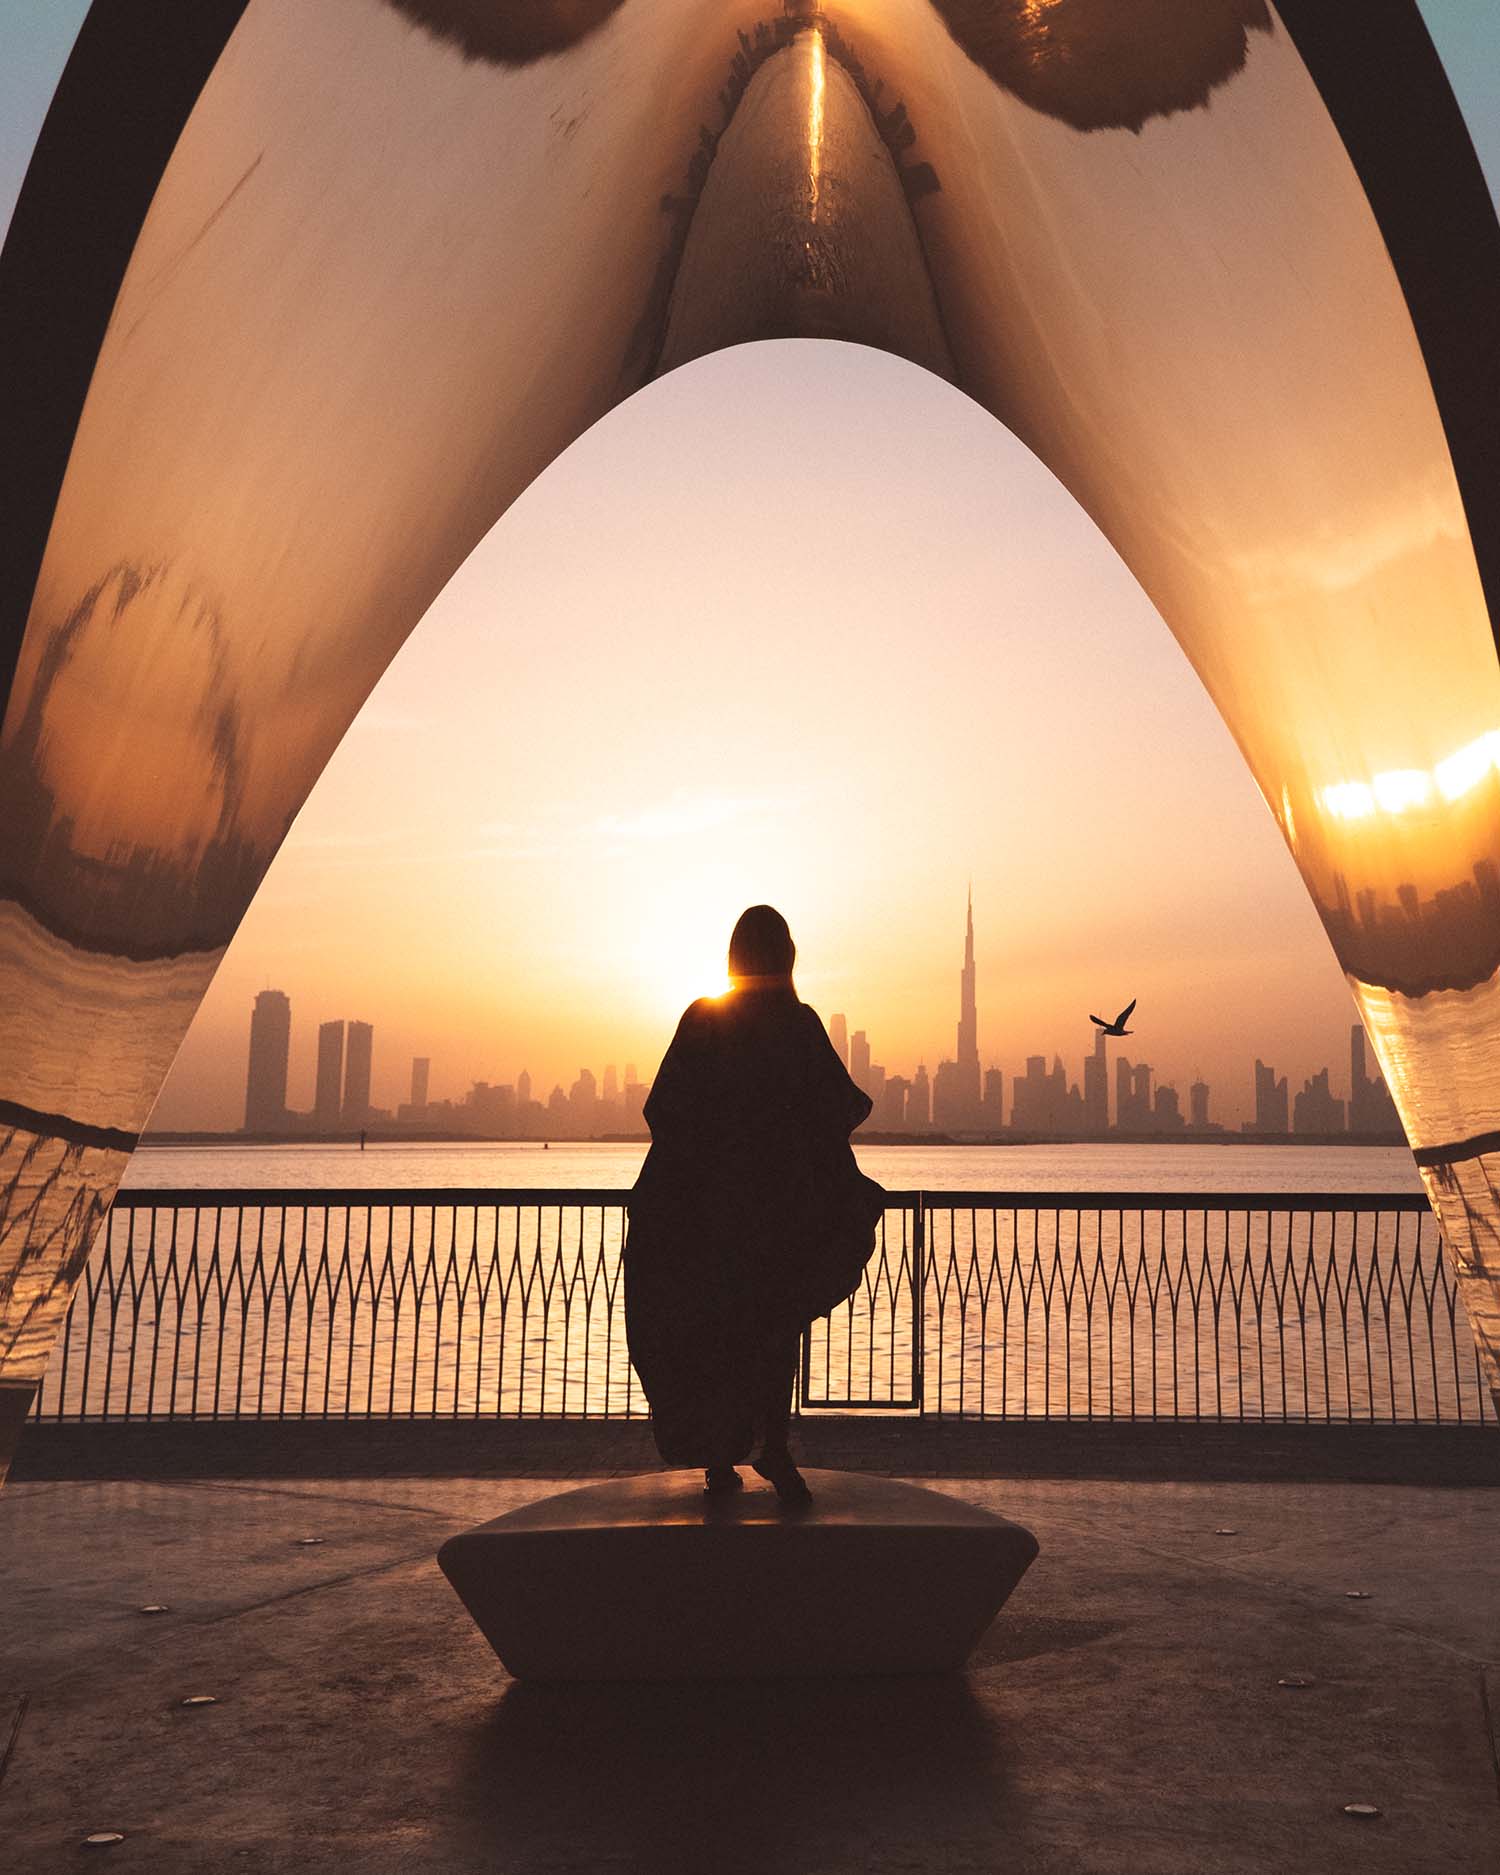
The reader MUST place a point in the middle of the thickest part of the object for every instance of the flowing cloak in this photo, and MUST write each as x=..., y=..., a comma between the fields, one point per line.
x=750, y=1216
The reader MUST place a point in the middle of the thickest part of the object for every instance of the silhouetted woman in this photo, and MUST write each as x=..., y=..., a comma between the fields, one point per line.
x=750, y=1216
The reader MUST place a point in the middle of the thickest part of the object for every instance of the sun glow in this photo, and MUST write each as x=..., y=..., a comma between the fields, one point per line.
x=1397, y=789
x=678, y=951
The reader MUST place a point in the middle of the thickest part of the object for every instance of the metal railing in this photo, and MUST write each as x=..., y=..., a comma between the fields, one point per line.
x=451, y=1304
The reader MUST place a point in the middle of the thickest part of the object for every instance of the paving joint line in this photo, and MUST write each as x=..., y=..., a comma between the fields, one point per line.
x=256, y=1488
x=312, y=1588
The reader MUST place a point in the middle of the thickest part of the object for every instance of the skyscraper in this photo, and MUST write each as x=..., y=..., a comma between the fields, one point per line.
x=968, y=1013
x=1371, y=1109
x=956, y=1103
x=947, y=1106
x=1316, y=1110
x=1271, y=1110
x=1096, y=1087
x=1166, y=1111
x=1123, y=1095
x=420, y=1068
x=992, y=1102
x=270, y=1043
x=919, y=1099
x=361, y=1046
x=838, y=1034
x=1133, y=1112
x=330, y=1073
x=859, y=1061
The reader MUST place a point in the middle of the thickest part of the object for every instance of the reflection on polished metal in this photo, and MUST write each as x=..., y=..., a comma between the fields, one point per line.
x=297, y=300
x=645, y=1579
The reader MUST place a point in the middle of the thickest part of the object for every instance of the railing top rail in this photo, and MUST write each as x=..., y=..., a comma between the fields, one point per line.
x=360, y=1197
x=1174, y=1201
x=490, y=1197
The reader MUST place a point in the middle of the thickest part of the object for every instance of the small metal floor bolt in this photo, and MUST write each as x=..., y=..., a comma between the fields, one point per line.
x=199, y=1699
x=306, y=1542
x=1356, y=1595
x=102, y=1838
x=1295, y=1680
x=1224, y=1530
x=153, y=1608
x=1362, y=1809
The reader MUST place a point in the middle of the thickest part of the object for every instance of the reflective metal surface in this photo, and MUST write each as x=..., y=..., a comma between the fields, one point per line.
x=405, y=251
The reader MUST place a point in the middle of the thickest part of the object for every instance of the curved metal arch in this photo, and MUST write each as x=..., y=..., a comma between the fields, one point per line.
x=344, y=281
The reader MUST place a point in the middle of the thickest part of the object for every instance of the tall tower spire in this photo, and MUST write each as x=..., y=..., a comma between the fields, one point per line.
x=968, y=1015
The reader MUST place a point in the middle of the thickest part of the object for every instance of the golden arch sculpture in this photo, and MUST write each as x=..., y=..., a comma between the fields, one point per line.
x=298, y=299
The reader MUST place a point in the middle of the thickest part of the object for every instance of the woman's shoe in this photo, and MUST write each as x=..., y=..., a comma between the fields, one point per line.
x=720, y=1480
x=778, y=1469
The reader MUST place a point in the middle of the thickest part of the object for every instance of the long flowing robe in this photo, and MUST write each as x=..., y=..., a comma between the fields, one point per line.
x=749, y=1219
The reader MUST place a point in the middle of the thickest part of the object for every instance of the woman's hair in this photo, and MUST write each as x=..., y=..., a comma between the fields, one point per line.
x=761, y=947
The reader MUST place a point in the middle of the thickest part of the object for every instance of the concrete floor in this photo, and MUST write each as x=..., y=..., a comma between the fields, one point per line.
x=1123, y=1714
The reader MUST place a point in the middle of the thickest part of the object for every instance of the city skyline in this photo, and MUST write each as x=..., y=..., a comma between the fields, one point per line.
x=963, y=1098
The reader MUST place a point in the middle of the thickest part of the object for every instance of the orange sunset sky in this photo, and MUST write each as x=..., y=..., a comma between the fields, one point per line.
x=760, y=636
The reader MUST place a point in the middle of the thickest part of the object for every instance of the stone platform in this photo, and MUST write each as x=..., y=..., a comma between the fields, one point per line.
x=1187, y=1682
x=647, y=1579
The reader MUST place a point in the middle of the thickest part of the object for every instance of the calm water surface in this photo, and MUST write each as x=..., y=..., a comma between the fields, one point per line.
x=524, y=1165
x=511, y=1306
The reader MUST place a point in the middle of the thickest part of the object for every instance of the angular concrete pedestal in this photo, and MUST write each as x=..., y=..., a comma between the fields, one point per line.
x=645, y=1578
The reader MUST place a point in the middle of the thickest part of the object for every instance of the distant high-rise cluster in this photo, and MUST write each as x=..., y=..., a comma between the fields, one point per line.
x=962, y=1100
x=341, y=1090
x=1317, y=1110
x=965, y=1102
x=342, y=1099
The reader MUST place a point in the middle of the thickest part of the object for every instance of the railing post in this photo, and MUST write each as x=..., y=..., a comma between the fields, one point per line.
x=919, y=1303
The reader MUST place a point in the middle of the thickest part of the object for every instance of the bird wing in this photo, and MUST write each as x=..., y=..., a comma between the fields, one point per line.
x=1100, y=1020
x=1124, y=1015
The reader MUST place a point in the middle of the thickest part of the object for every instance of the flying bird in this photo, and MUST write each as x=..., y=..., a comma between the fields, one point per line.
x=1117, y=1027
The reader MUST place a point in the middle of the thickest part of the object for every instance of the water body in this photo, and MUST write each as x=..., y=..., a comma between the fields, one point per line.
x=524, y=1165
x=501, y=1304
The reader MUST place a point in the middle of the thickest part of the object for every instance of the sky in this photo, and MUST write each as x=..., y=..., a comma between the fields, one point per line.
x=836, y=641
